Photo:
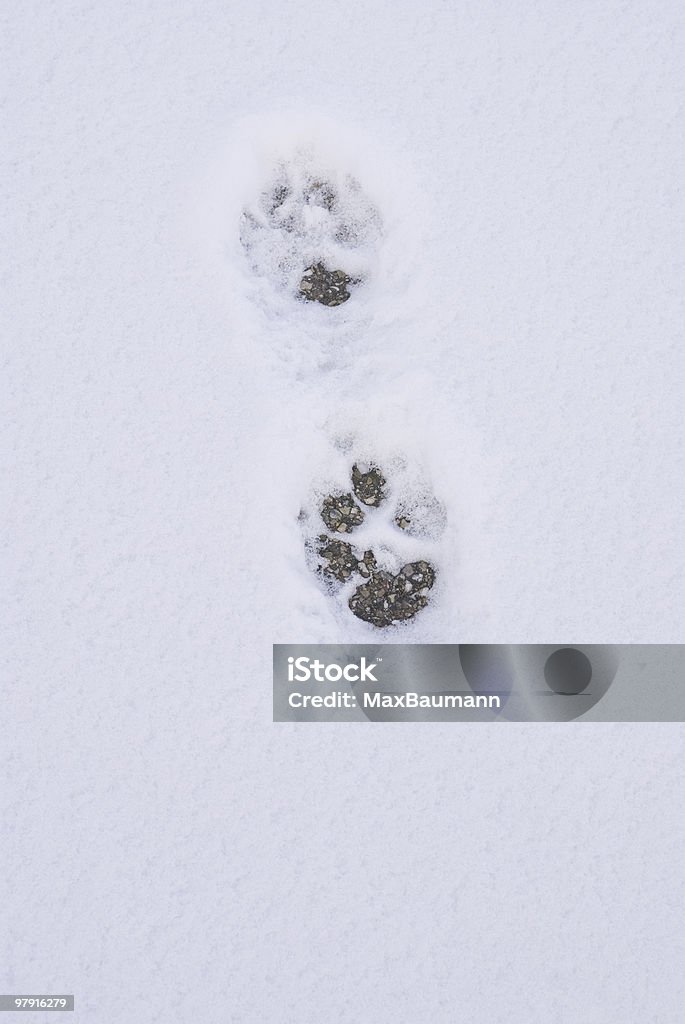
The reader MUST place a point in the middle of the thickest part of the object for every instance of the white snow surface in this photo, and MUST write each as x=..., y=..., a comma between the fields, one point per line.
x=170, y=409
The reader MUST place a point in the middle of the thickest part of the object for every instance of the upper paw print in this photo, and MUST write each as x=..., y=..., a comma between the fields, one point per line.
x=311, y=233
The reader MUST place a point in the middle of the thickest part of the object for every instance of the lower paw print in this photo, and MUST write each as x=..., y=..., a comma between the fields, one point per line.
x=382, y=573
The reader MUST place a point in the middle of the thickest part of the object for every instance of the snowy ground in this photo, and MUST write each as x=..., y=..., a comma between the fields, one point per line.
x=517, y=348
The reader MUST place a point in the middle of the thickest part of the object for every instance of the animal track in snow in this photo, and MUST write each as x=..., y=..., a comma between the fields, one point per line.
x=312, y=232
x=380, y=572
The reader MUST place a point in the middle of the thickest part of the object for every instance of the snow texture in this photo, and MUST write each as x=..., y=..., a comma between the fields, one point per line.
x=512, y=192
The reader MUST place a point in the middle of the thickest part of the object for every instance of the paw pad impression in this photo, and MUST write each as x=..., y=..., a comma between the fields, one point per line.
x=340, y=513
x=368, y=486
x=387, y=598
x=329, y=287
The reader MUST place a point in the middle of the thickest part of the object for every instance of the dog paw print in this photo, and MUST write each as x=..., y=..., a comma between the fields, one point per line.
x=376, y=591
x=311, y=233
